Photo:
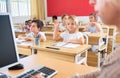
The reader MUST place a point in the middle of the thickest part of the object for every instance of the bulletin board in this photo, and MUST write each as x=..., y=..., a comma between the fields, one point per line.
x=70, y=7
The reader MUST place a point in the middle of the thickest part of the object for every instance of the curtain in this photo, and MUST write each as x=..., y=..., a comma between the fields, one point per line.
x=37, y=9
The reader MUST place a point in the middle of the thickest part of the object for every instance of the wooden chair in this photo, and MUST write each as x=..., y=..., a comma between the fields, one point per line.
x=112, y=36
x=102, y=48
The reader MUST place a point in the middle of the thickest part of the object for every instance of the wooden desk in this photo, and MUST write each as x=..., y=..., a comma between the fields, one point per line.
x=24, y=49
x=47, y=28
x=19, y=33
x=66, y=54
x=65, y=69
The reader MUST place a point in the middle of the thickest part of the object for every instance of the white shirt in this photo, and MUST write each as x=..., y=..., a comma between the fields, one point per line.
x=61, y=27
x=31, y=34
x=67, y=36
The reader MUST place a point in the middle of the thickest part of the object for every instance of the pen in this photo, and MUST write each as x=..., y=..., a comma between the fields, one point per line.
x=53, y=48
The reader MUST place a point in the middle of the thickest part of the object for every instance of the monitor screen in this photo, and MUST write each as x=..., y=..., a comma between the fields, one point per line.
x=8, y=51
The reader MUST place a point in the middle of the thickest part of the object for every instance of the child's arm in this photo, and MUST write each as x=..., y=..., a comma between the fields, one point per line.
x=76, y=41
x=56, y=34
x=85, y=29
x=21, y=36
x=43, y=37
x=98, y=27
x=24, y=37
x=28, y=38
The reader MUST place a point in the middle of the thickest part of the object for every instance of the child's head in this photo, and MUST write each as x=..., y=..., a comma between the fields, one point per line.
x=64, y=18
x=36, y=26
x=29, y=22
x=54, y=18
x=108, y=10
x=93, y=17
x=72, y=24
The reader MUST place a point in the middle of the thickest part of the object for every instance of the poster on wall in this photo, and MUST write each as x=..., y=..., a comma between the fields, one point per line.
x=70, y=7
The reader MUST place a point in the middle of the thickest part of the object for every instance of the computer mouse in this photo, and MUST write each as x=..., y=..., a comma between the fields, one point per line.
x=17, y=67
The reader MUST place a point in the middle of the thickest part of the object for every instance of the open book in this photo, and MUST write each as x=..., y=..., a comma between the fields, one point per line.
x=66, y=45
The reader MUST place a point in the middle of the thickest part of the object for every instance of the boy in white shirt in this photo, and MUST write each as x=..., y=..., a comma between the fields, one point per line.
x=35, y=31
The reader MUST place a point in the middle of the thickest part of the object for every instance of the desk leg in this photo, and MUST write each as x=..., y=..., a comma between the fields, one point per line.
x=34, y=51
x=79, y=59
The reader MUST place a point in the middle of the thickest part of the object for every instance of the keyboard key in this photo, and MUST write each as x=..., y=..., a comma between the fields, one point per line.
x=30, y=71
x=46, y=70
x=34, y=73
x=28, y=76
x=21, y=76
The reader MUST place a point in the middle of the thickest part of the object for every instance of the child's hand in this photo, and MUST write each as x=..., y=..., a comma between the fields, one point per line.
x=27, y=39
x=56, y=25
x=92, y=24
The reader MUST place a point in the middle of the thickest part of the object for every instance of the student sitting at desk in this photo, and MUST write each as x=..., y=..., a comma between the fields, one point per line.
x=28, y=25
x=72, y=34
x=62, y=26
x=94, y=27
x=35, y=29
x=54, y=19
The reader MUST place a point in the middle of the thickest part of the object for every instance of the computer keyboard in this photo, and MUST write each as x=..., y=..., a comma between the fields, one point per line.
x=45, y=71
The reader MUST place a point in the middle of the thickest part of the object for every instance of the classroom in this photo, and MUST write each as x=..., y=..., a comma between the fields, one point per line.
x=59, y=39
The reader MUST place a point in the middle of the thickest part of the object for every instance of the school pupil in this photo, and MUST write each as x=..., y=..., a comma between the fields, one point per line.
x=93, y=25
x=27, y=25
x=62, y=25
x=55, y=20
x=71, y=35
x=35, y=31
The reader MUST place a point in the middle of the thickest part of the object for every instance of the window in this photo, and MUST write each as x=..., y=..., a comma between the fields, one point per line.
x=15, y=7
x=20, y=7
x=3, y=6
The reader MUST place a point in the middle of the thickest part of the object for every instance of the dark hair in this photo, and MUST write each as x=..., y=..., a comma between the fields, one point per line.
x=39, y=23
x=26, y=22
x=64, y=15
x=29, y=20
x=94, y=15
x=54, y=17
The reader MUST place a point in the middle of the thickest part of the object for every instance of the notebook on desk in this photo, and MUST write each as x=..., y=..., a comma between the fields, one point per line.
x=38, y=71
x=19, y=41
x=23, y=42
x=66, y=45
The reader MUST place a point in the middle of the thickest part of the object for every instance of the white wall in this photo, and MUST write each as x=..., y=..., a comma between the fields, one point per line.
x=82, y=19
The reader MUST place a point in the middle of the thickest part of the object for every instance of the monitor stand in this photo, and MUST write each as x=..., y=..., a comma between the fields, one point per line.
x=16, y=67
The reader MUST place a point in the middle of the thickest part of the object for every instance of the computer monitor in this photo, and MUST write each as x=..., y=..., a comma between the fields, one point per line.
x=8, y=49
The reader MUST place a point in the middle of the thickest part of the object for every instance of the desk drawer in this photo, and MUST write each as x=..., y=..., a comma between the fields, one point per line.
x=24, y=51
x=63, y=57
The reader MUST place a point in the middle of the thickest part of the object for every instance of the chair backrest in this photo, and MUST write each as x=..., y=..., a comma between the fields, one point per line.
x=112, y=30
x=93, y=40
x=85, y=38
x=106, y=30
